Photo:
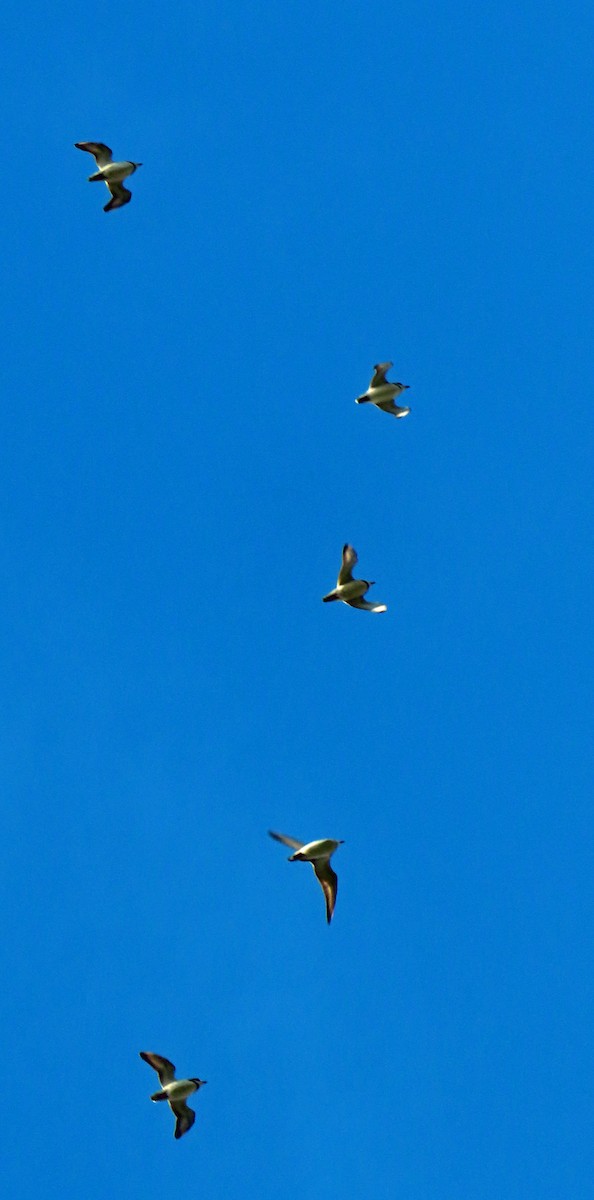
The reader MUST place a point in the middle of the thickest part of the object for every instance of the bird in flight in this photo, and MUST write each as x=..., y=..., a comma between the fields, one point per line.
x=112, y=173
x=382, y=393
x=174, y=1091
x=319, y=855
x=351, y=591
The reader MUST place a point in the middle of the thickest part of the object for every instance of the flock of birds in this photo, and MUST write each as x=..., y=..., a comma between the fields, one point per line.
x=381, y=392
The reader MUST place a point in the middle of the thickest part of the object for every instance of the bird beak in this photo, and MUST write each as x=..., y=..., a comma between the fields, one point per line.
x=407, y=385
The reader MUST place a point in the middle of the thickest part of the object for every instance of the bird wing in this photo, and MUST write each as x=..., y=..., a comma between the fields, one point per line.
x=397, y=410
x=329, y=881
x=359, y=602
x=101, y=153
x=287, y=841
x=165, y=1069
x=119, y=196
x=379, y=373
x=349, y=558
x=184, y=1117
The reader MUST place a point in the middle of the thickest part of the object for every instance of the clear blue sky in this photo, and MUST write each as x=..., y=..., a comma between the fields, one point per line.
x=181, y=460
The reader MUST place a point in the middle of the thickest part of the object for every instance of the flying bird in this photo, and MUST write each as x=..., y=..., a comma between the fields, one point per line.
x=382, y=393
x=112, y=173
x=319, y=855
x=349, y=590
x=174, y=1091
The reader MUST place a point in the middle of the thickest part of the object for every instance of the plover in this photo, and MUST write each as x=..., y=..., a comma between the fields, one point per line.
x=349, y=590
x=381, y=392
x=174, y=1091
x=110, y=172
x=319, y=855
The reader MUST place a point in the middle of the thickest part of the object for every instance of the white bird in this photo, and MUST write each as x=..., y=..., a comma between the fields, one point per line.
x=381, y=392
x=174, y=1091
x=349, y=590
x=319, y=855
x=112, y=173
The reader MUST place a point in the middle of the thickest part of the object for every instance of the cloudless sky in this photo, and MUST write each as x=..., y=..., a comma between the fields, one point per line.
x=324, y=187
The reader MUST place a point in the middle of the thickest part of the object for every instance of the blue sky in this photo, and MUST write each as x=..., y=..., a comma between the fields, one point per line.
x=181, y=460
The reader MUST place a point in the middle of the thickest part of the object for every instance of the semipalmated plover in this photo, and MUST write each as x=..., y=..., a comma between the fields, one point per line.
x=174, y=1091
x=319, y=855
x=381, y=392
x=112, y=173
x=349, y=590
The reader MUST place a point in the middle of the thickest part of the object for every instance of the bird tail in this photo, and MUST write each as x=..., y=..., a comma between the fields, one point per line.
x=363, y=400
x=159, y=1096
x=97, y=177
x=329, y=597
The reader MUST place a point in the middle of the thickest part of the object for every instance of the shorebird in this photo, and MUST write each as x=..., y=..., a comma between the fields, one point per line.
x=382, y=393
x=174, y=1091
x=319, y=855
x=349, y=590
x=112, y=173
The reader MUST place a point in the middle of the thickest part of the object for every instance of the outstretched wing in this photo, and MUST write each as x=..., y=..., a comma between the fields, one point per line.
x=329, y=882
x=101, y=153
x=287, y=841
x=165, y=1069
x=359, y=602
x=379, y=375
x=119, y=196
x=349, y=558
x=184, y=1117
x=397, y=410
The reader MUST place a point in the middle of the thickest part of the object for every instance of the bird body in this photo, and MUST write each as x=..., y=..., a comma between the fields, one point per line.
x=349, y=590
x=174, y=1091
x=110, y=173
x=309, y=852
x=317, y=853
x=178, y=1090
x=382, y=392
x=114, y=172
